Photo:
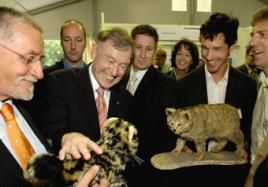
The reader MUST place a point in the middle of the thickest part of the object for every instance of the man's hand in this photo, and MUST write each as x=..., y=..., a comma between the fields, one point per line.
x=89, y=176
x=78, y=146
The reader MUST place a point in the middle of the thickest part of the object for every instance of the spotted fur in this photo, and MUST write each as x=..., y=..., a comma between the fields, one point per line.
x=119, y=144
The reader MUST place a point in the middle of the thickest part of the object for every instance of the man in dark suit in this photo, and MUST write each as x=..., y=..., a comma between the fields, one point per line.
x=217, y=82
x=73, y=42
x=152, y=94
x=72, y=112
x=249, y=67
x=21, y=50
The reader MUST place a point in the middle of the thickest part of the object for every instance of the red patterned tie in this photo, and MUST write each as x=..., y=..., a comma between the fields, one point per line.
x=18, y=141
x=101, y=106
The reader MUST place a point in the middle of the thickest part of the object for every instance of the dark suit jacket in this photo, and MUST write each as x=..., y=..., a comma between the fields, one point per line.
x=154, y=93
x=241, y=93
x=243, y=68
x=54, y=67
x=37, y=105
x=72, y=107
x=11, y=174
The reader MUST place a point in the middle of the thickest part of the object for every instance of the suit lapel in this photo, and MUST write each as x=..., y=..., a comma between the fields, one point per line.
x=86, y=100
x=232, y=86
x=9, y=163
x=115, y=101
x=200, y=87
x=146, y=81
x=33, y=127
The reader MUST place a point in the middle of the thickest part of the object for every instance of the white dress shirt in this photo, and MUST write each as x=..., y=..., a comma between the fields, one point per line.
x=139, y=75
x=216, y=93
x=95, y=86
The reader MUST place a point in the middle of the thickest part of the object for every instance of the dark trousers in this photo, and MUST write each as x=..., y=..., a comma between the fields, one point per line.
x=261, y=176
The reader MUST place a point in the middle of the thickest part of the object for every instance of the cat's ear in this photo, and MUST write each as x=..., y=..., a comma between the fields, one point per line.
x=186, y=114
x=170, y=111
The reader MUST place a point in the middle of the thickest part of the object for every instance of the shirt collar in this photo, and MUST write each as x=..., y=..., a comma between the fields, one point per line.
x=94, y=82
x=68, y=65
x=139, y=73
x=210, y=78
x=7, y=101
x=263, y=79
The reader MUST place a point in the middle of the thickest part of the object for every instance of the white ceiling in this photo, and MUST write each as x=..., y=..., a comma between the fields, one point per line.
x=32, y=5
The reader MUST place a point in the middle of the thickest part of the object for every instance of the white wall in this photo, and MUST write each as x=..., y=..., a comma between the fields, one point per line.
x=156, y=12
x=51, y=21
x=139, y=11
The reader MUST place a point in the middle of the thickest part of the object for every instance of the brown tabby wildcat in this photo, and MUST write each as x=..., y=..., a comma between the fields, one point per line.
x=201, y=122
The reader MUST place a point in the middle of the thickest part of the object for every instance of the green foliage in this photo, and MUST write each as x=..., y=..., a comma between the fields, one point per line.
x=53, y=52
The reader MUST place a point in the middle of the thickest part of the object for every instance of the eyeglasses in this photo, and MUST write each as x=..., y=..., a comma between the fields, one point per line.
x=28, y=59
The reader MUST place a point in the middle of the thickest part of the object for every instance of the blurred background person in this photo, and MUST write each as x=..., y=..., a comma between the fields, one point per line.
x=73, y=42
x=160, y=60
x=184, y=58
x=249, y=67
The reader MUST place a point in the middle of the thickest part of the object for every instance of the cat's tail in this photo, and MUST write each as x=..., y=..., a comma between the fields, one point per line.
x=44, y=170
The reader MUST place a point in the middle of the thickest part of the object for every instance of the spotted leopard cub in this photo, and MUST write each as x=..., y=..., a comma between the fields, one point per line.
x=119, y=142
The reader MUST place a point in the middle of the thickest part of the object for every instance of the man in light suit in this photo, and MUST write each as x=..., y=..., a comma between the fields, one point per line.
x=72, y=113
x=259, y=44
x=217, y=82
x=21, y=50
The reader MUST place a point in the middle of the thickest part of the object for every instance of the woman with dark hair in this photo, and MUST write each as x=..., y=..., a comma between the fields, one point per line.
x=184, y=58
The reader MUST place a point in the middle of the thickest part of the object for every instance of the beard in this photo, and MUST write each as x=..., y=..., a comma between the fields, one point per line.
x=22, y=91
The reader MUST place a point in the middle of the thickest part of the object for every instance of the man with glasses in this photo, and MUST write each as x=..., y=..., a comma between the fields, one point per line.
x=21, y=51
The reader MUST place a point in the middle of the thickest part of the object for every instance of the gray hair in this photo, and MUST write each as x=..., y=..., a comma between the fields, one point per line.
x=8, y=16
x=119, y=36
